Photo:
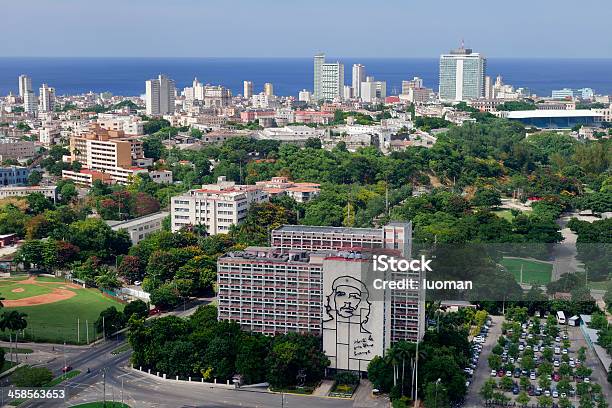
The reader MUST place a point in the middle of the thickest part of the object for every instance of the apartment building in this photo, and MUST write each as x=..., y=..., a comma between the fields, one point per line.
x=215, y=206
x=106, y=151
x=130, y=125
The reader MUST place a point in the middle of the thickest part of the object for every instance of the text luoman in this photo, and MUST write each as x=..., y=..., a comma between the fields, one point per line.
x=415, y=284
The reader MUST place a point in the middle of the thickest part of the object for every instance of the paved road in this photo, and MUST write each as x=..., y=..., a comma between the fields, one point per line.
x=482, y=372
x=140, y=390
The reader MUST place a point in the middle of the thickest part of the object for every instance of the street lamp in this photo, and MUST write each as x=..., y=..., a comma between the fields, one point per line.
x=437, y=382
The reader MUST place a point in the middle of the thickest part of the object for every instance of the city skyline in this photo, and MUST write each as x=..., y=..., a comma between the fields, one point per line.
x=434, y=25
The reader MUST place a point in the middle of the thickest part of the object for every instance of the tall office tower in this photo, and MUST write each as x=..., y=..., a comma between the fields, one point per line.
x=25, y=85
x=160, y=95
x=462, y=75
x=319, y=60
x=359, y=76
x=47, y=98
x=248, y=90
x=328, y=79
x=488, y=91
x=268, y=89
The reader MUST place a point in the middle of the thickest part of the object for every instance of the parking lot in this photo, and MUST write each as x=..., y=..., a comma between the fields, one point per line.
x=535, y=363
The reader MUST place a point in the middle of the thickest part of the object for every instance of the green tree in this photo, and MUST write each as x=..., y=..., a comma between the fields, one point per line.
x=38, y=203
x=110, y=321
x=436, y=396
x=523, y=399
x=487, y=390
x=137, y=308
x=35, y=178
x=165, y=296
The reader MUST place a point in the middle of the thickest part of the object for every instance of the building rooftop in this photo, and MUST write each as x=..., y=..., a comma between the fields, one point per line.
x=136, y=221
x=329, y=230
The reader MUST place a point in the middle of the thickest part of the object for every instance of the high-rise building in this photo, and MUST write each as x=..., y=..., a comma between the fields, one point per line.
x=160, y=96
x=348, y=92
x=25, y=85
x=248, y=89
x=415, y=83
x=359, y=76
x=47, y=98
x=268, y=89
x=372, y=90
x=30, y=102
x=328, y=79
x=462, y=75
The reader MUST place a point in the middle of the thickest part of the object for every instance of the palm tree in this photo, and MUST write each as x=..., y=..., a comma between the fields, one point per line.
x=405, y=351
x=13, y=321
x=393, y=358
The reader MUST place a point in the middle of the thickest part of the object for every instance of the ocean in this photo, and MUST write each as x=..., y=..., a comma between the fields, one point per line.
x=126, y=76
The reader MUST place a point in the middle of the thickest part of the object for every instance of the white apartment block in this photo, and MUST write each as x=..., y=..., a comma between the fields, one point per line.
x=161, y=176
x=141, y=227
x=49, y=134
x=30, y=102
x=215, y=206
x=160, y=96
x=373, y=91
x=264, y=101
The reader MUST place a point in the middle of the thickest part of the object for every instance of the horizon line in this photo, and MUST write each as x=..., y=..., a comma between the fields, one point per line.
x=292, y=57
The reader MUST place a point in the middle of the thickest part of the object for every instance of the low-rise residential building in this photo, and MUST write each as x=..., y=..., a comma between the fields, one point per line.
x=292, y=134
x=21, y=191
x=300, y=192
x=215, y=206
x=141, y=227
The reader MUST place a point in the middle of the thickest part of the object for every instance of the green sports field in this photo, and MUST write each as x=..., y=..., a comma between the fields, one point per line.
x=57, y=322
x=534, y=272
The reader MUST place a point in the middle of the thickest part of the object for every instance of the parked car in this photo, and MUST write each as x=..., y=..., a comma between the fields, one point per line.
x=493, y=373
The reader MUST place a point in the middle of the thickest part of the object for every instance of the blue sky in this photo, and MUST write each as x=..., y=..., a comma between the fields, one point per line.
x=290, y=28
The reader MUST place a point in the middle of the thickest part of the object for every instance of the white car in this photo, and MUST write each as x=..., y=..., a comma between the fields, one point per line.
x=557, y=339
x=557, y=350
x=493, y=373
x=565, y=337
x=532, y=376
x=555, y=394
x=556, y=363
x=521, y=347
x=564, y=351
x=587, y=380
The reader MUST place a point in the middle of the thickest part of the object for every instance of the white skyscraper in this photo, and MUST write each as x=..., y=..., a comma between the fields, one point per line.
x=462, y=75
x=160, y=96
x=268, y=89
x=359, y=76
x=372, y=91
x=328, y=79
x=25, y=85
x=248, y=89
x=47, y=98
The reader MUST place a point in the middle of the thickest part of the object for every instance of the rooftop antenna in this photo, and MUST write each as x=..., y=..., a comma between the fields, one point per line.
x=462, y=44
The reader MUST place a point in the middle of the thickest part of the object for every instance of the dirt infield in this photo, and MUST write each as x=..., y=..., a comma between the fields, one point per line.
x=57, y=294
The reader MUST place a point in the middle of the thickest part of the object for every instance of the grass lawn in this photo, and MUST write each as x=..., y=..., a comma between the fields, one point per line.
x=57, y=322
x=505, y=214
x=599, y=285
x=534, y=272
x=100, y=404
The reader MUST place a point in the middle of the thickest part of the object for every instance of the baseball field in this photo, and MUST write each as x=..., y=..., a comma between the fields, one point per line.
x=57, y=311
